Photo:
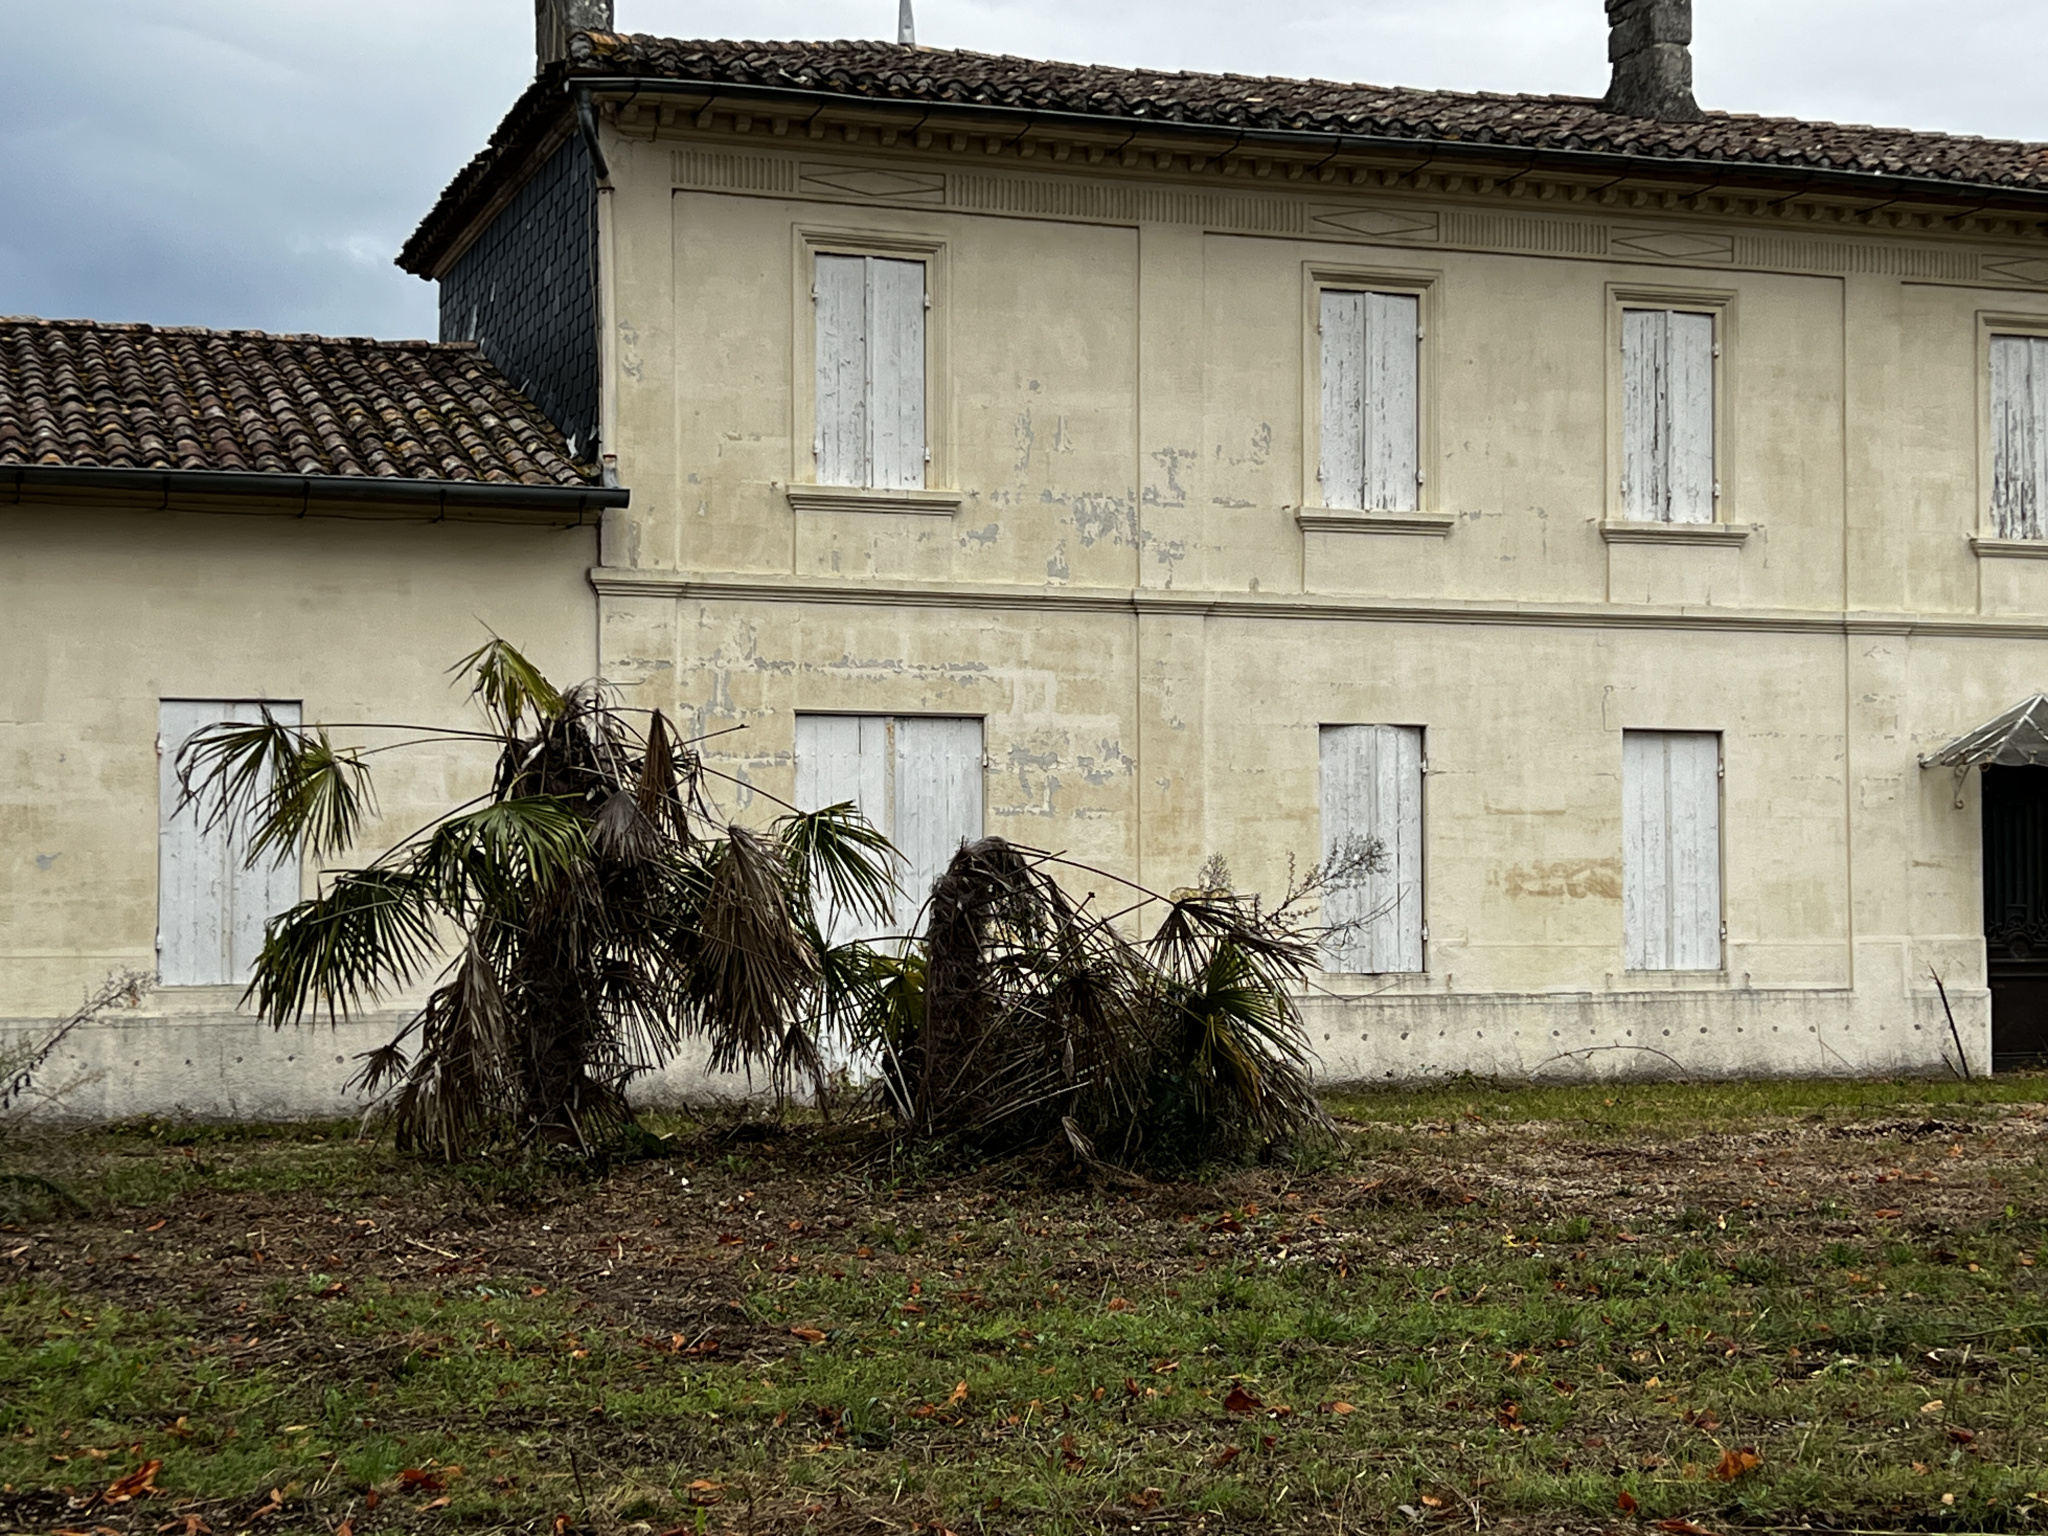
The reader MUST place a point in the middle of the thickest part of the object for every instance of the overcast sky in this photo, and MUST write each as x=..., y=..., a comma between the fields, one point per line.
x=258, y=162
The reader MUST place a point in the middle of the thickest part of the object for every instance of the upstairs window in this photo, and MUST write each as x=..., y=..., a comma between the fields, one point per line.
x=1372, y=792
x=917, y=780
x=871, y=372
x=1671, y=850
x=211, y=908
x=1667, y=366
x=1370, y=412
x=2019, y=436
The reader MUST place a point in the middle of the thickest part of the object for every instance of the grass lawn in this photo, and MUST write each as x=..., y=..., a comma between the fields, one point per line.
x=1718, y=1307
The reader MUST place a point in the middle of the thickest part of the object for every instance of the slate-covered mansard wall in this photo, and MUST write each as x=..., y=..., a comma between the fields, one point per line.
x=526, y=292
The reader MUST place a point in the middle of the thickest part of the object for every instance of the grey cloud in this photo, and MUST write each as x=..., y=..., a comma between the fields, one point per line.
x=257, y=162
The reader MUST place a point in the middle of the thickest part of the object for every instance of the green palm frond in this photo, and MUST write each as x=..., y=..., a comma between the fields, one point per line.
x=488, y=857
x=370, y=932
x=509, y=686
x=837, y=849
x=288, y=784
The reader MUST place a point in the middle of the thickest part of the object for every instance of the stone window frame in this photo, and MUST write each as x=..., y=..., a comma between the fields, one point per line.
x=1722, y=304
x=940, y=495
x=1985, y=539
x=1426, y=286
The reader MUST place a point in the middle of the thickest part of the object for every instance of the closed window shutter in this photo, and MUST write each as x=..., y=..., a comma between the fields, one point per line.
x=1372, y=790
x=211, y=910
x=1390, y=414
x=2019, y=436
x=1370, y=420
x=896, y=351
x=1667, y=473
x=918, y=781
x=842, y=759
x=1343, y=466
x=1671, y=850
x=938, y=801
x=842, y=443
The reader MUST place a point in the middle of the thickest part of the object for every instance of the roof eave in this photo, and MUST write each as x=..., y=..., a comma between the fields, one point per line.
x=1789, y=179
x=175, y=490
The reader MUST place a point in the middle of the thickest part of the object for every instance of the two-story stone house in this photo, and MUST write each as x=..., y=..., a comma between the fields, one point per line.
x=1605, y=505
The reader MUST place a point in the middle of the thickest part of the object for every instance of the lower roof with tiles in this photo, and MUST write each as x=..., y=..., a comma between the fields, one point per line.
x=79, y=395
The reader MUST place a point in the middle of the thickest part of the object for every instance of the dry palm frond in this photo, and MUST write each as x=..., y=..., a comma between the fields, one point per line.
x=1033, y=1022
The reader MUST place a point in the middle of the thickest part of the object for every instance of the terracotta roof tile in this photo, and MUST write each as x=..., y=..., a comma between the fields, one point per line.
x=888, y=71
x=82, y=394
x=1737, y=145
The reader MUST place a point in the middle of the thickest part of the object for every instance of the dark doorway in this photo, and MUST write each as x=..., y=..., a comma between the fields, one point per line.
x=2016, y=914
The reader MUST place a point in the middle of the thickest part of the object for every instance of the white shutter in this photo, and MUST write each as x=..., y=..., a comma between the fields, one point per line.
x=1667, y=365
x=2019, y=436
x=210, y=909
x=1372, y=789
x=1691, y=362
x=842, y=444
x=918, y=781
x=845, y=758
x=938, y=801
x=1343, y=465
x=1390, y=413
x=896, y=353
x=1671, y=850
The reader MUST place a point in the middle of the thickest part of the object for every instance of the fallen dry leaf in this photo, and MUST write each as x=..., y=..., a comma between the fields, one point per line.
x=1626, y=1502
x=809, y=1335
x=704, y=1491
x=1682, y=1528
x=1734, y=1463
x=139, y=1484
x=1146, y=1498
x=1226, y=1456
x=1238, y=1400
x=958, y=1396
x=1888, y=1213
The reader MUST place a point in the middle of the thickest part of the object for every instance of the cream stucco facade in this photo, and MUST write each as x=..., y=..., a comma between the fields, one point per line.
x=110, y=604
x=1130, y=580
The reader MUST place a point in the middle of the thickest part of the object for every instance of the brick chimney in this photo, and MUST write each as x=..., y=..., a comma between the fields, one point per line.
x=1649, y=44
x=555, y=20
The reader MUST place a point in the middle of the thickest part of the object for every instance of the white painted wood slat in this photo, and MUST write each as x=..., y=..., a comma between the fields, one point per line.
x=2019, y=436
x=938, y=801
x=896, y=366
x=1372, y=789
x=842, y=759
x=1391, y=323
x=1671, y=850
x=1667, y=473
x=1343, y=455
x=842, y=363
x=211, y=910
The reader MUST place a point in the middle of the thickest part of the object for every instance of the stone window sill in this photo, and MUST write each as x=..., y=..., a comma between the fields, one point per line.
x=1435, y=525
x=1676, y=533
x=1987, y=548
x=857, y=498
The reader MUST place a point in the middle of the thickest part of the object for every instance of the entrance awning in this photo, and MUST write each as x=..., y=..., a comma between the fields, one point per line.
x=2016, y=739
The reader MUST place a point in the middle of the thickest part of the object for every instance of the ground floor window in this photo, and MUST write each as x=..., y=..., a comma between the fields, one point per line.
x=917, y=778
x=1671, y=850
x=1372, y=791
x=211, y=907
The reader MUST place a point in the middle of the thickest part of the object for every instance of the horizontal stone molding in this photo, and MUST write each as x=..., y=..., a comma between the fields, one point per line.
x=1329, y=520
x=1987, y=548
x=849, y=498
x=625, y=582
x=1677, y=533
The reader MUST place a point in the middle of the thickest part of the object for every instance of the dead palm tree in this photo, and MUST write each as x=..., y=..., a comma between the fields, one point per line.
x=586, y=913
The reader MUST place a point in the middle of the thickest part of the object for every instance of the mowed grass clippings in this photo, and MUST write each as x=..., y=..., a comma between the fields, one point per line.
x=1742, y=1307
